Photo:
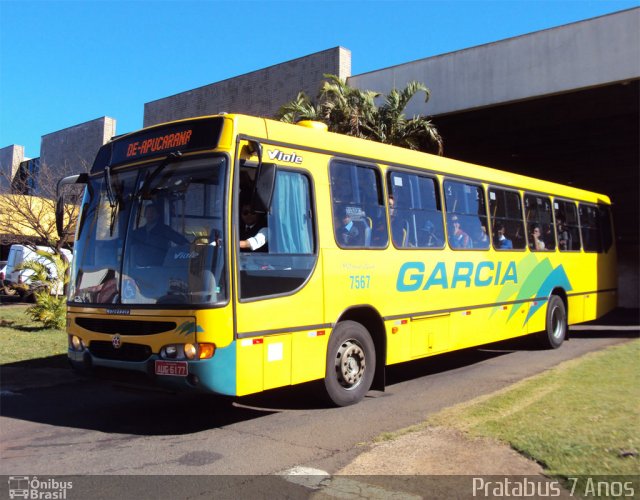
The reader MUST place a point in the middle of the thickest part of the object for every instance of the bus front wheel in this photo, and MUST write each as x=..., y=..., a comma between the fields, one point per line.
x=351, y=363
x=556, y=324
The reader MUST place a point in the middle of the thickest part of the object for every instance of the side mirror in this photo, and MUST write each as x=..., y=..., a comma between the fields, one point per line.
x=264, y=187
x=265, y=182
x=66, y=181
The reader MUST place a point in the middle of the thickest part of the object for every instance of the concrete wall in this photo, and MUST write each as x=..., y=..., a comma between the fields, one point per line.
x=72, y=150
x=10, y=159
x=258, y=93
x=579, y=55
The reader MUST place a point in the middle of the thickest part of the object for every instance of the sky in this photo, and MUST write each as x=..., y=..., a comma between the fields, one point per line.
x=63, y=63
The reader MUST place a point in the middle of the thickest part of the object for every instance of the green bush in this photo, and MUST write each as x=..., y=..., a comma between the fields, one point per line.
x=50, y=305
x=50, y=310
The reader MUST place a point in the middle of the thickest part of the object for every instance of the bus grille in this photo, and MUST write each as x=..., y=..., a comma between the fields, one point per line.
x=127, y=352
x=126, y=326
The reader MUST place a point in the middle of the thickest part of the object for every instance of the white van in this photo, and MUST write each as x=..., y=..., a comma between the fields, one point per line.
x=21, y=253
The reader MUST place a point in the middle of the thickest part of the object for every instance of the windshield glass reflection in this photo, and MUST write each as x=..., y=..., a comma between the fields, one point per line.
x=157, y=241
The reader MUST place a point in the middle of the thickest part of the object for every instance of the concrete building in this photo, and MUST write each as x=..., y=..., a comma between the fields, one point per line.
x=65, y=152
x=10, y=159
x=258, y=93
x=73, y=149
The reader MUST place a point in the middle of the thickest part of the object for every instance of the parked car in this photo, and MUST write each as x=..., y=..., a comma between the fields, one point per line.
x=18, y=279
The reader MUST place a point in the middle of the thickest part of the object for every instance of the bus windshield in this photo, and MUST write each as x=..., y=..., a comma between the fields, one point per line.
x=153, y=235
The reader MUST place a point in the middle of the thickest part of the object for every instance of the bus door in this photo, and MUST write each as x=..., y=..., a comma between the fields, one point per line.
x=280, y=339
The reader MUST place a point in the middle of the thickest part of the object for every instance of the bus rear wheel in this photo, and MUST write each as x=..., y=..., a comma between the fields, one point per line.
x=556, y=324
x=351, y=363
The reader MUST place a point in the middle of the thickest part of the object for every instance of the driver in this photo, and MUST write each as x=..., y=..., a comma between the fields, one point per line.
x=155, y=237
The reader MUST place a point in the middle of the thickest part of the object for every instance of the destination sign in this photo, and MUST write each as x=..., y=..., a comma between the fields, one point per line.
x=185, y=136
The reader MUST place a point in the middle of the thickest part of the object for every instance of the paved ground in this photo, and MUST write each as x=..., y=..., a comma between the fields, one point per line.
x=378, y=470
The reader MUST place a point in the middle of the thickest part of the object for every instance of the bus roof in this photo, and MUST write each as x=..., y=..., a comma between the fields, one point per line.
x=316, y=139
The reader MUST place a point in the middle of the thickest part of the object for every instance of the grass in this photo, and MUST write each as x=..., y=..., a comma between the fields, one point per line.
x=23, y=339
x=581, y=418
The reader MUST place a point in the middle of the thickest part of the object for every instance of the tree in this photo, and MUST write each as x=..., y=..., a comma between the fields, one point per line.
x=354, y=112
x=29, y=219
x=50, y=307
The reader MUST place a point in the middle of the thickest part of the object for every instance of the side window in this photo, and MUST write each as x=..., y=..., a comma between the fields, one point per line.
x=567, y=225
x=415, y=211
x=590, y=227
x=506, y=217
x=466, y=215
x=539, y=222
x=359, y=216
x=290, y=255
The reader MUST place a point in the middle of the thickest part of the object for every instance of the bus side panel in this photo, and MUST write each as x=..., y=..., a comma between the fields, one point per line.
x=308, y=354
x=537, y=310
x=249, y=372
x=398, y=343
x=576, y=309
x=430, y=335
x=280, y=360
x=277, y=361
x=590, y=306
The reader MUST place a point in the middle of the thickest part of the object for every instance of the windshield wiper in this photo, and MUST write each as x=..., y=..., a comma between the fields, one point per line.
x=146, y=186
x=107, y=182
x=113, y=201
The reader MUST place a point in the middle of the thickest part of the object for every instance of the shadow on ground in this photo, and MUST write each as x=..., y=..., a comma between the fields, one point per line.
x=60, y=398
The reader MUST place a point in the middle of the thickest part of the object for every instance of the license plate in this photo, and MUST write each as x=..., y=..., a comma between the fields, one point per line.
x=172, y=368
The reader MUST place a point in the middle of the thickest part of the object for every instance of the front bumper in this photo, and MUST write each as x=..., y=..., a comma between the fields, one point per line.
x=214, y=375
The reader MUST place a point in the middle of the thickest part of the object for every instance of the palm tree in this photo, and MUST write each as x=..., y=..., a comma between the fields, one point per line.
x=47, y=288
x=345, y=109
x=392, y=126
x=301, y=108
x=354, y=112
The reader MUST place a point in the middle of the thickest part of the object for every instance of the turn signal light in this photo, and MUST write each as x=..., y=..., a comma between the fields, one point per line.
x=206, y=351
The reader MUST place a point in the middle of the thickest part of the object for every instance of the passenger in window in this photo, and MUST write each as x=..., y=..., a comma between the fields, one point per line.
x=502, y=242
x=457, y=237
x=399, y=226
x=253, y=230
x=535, y=242
x=347, y=232
x=483, y=237
x=564, y=237
x=379, y=237
x=548, y=237
x=433, y=240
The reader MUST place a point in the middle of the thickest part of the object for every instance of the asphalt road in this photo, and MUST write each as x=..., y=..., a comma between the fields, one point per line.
x=52, y=422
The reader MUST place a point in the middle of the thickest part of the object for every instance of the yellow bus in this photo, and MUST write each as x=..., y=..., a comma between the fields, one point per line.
x=234, y=254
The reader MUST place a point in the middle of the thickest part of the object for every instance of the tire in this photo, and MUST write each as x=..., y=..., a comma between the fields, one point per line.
x=351, y=364
x=556, y=324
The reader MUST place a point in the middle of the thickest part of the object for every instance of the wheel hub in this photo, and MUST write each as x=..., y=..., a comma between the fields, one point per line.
x=350, y=364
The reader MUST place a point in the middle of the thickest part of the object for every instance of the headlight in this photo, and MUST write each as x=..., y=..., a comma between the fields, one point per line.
x=76, y=343
x=190, y=351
